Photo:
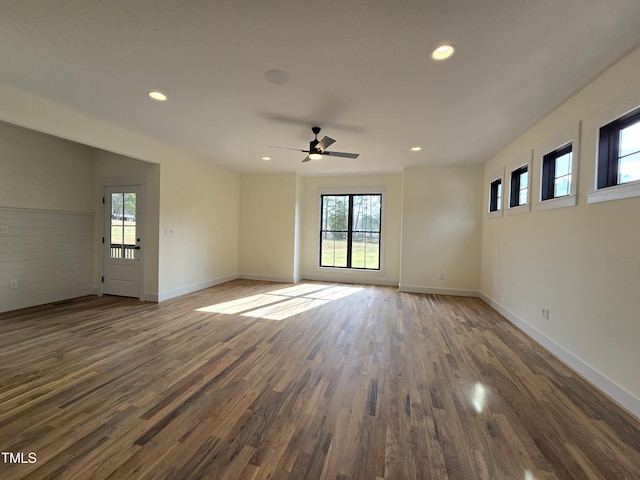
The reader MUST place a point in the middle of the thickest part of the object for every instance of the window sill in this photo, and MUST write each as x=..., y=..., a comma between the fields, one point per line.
x=496, y=214
x=560, y=202
x=617, y=192
x=519, y=209
x=350, y=271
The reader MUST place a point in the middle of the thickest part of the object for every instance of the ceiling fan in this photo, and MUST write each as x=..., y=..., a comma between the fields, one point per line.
x=317, y=148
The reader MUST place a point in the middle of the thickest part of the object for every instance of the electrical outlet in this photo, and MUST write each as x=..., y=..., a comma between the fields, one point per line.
x=13, y=284
x=442, y=276
x=545, y=313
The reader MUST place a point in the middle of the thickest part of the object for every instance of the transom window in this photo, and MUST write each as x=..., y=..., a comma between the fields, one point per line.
x=556, y=173
x=519, y=186
x=495, y=196
x=350, y=231
x=619, y=151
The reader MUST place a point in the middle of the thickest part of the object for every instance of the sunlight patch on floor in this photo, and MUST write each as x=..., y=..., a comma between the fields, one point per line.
x=479, y=397
x=282, y=303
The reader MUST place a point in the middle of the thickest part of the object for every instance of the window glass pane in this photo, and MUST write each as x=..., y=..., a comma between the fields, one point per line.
x=561, y=186
x=336, y=215
x=117, y=208
x=129, y=207
x=499, y=196
x=334, y=252
x=129, y=234
x=117, y=224
x=372, y=250
x=115, y=241
x=522, y=198
x=524, y=178
x=563, y=165
x=522, y=195
x=629, y=168
x=366, y=213
x=366, y=251
x=629, y=140
x=358, y=253
x=123, y=225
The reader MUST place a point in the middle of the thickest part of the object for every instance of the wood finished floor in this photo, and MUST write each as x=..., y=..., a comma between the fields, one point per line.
x=251, y=380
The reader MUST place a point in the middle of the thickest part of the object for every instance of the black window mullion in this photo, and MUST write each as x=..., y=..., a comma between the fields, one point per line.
x=349, y=231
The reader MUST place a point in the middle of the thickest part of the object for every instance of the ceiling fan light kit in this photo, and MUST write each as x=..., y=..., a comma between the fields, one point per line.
x=318, y=148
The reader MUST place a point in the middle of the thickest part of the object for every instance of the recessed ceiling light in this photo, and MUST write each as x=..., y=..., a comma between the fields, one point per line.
x=159, y=96
x=416, y=149
x=266, y=158
x=277, y=77
x=443, y=52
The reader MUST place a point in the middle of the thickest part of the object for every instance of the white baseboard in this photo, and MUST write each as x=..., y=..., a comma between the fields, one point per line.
x=161, y=297
x=597, y=379
x=439, y=291
x=266, y=278
x=351, y=280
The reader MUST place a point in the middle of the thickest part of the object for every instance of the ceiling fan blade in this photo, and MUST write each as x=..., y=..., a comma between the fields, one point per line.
x=288, y=148
x=324, y=143
x=342, y=154
x=306, y=159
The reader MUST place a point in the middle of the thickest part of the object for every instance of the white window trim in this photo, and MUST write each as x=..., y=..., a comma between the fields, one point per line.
x=570, y=135
x=356, y=191
x=615, y=192
x=496, y=175
x=520, y=161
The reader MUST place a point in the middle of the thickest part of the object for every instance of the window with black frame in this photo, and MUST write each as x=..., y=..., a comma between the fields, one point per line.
x=619, y=151
x=350, y=231
x=495, y=195
x=519, y=191
x=556, y=173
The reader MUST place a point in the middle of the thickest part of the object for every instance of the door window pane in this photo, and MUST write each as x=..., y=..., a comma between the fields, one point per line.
x=123, y=225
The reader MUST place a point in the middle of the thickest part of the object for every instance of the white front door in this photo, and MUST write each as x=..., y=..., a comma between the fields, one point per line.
x=122, y=241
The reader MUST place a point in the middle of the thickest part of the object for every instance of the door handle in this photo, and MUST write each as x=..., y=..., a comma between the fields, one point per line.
x=137, y=247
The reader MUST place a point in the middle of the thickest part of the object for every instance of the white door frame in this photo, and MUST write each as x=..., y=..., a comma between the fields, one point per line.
x=122, y=276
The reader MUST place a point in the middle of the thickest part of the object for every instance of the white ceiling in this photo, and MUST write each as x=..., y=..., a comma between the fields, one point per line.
x=360, y=69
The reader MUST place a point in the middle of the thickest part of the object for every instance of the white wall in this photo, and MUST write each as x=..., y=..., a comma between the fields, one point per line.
x=200, y=204
x=441, y=229
x=198, y=199
x=391, y=220
x=268, y=207
x=44, y=172
x=581, y=262
x=46, y=211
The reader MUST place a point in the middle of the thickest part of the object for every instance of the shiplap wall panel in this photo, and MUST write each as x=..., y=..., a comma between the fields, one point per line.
x=48, y=253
